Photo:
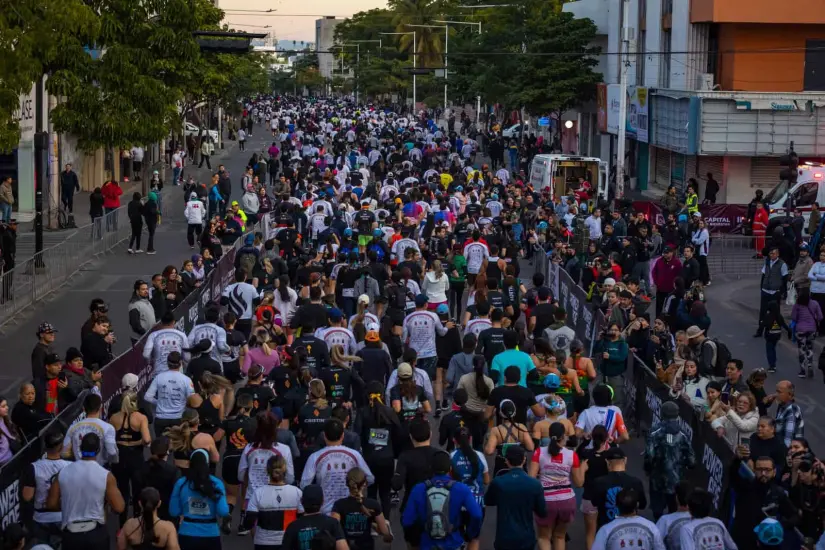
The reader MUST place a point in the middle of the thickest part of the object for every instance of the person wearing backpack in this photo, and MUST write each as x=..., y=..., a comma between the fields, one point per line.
x=435, y=506
x=712, y=355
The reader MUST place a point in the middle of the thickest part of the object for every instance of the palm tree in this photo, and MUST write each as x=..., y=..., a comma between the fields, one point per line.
x=429, y=42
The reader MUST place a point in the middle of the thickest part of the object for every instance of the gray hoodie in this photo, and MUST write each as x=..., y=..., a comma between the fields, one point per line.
x=460, y=364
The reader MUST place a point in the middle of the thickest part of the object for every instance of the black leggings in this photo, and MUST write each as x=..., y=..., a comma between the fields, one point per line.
x=125, y=471
x=456, y=295
x=193, y=232
x=135, y=238
x=383, y=472
x=96, y=539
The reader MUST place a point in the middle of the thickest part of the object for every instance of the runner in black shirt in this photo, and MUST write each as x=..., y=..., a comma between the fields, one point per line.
x=314, y=312
x=237, y=431
x=414, y=466
x=357, y=514
x=543, y=315
x=605, y=488
x=317, y=350
x=491, y=340
x=261, y=394
x=521, y=397
x=300, y=533
x=364, y=220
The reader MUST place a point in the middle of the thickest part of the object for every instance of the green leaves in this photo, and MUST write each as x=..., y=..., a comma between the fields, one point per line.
x=149, y=65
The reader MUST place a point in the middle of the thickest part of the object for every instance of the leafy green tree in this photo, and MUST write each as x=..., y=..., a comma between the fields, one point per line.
x=150, y=63
x=429, y=42
x=38, y=37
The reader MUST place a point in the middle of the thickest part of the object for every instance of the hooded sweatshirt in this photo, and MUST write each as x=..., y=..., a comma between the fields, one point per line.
x=250, y=203
x=194, y=210
x=436, y=289
x=560, y=337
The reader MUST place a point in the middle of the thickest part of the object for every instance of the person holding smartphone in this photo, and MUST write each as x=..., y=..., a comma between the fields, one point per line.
x=739, y=421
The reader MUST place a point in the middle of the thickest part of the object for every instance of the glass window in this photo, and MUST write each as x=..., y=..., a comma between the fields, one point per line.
x=806, y=194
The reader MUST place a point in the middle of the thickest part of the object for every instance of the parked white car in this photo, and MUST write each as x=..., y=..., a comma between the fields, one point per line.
x=192, y=130
x=514, y=131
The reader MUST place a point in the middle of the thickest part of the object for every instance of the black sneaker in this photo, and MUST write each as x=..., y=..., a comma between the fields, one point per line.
x=226, y=526
x=437, y=413
x=444, y=404
x=771, y=369
x=802, y=374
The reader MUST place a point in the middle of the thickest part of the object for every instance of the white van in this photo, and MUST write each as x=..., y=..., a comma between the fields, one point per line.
x=809, y=188
x=562, y=172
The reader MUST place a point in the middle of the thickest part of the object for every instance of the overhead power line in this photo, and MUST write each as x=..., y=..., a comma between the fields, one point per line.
x=569, y=54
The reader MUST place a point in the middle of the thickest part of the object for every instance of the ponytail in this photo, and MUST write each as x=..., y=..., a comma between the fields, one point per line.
x=356, y=481
x=462, y=440
x=557, y=433
x=149, y=501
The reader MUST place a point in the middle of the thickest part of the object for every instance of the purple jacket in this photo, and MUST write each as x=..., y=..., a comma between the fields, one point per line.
x=807, y=318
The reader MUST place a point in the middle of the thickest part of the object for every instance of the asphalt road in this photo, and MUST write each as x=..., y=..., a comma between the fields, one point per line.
x=112, y=277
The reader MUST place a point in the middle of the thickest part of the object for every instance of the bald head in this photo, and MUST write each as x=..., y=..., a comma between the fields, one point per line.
x=785, y=391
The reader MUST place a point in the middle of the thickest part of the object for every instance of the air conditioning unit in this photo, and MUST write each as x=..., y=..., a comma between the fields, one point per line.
x=704, y=82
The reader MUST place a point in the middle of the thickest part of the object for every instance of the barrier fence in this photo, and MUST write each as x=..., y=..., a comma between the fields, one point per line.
x=186, y=314
x=34, y=278
x=645, y=394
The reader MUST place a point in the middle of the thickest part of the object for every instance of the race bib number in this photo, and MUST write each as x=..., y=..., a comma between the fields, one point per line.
x=379, y=437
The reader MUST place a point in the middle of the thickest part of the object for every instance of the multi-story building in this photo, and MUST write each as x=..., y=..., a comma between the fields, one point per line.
x=719, y=86
x=324, y=40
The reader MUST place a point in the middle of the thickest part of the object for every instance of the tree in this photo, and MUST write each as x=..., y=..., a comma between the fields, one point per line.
x=150, y=64
x=37, y=37
x=429, y=42
x=380, y=71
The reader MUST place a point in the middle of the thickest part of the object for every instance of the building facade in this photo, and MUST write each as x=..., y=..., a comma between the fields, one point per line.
x=324, y=40
x=719, y=86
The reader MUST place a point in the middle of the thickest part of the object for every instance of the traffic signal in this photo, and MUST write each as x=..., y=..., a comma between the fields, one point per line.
x=791, y=160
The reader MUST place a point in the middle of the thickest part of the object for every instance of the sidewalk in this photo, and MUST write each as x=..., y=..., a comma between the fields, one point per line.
x=110, y=277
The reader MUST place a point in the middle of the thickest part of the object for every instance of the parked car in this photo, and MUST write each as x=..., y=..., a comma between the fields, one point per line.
x=514, y=131
x=192, y=130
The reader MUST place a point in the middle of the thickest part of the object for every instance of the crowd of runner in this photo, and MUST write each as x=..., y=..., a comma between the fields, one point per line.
x=379, y=355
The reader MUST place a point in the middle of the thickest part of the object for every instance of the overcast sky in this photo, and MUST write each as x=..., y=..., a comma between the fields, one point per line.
x=291, y=28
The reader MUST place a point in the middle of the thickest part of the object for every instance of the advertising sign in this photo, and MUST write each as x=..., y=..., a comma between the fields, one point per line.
x=601, y=101
x=636, y=125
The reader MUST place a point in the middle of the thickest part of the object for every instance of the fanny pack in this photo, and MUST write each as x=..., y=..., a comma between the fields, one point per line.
x=82, y=526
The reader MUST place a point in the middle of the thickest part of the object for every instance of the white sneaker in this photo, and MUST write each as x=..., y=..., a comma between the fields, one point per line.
x=138, y=251
x=151, y=252
x=130, y=251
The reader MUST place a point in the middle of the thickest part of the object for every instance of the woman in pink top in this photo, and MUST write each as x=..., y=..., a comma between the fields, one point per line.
x=261, y=352
x=558, y=469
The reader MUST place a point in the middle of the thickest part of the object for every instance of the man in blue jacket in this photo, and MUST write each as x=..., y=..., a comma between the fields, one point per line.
x=517, y=496
x=422, y=509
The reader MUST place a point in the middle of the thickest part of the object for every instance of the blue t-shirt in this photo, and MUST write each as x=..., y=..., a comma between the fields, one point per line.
x=190, y=504
x=509, y=358
x=463, y=471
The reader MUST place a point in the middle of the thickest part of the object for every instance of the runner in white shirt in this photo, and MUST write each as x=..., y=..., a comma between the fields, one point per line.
x=475, y=253
x=240, y=297
x=329, y=466
x=210, y=331
x=337, y=334
x=399, y=248
x=669, y=525
x=628, y=530
x=602, y=412
x=704, y=532
x=162, y=342
x=91, y=424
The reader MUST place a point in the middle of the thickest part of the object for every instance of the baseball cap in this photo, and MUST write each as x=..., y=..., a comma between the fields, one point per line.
x=129, y=381
x=348, y=232
x=614, y=453
x=770, y=532
x=552, y=381
x=372, y=336
x=249, y=239
x=670, y=410
x=335, y=314
x=52, y=358
x=442, y=309
x=421, y=300
x=364, y=299
x=373, y=326
x=405, y=370
x=377, y=232
x=313, y=495
x=697, y=215
x=45, y=328
x=255, y=371
x=610, y=281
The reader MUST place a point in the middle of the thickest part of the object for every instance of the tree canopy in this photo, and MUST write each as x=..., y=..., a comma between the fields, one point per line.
x=148, y=71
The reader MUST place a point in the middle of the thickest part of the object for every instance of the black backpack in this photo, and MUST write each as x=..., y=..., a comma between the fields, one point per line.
x=721, y=357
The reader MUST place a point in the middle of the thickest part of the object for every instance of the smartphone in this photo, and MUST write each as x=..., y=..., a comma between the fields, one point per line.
x=745, y=441
x=725, y=397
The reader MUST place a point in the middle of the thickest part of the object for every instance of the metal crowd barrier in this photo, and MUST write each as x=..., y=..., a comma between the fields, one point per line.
x=34, y=278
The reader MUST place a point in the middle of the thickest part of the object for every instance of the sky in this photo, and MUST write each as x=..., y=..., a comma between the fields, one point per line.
x=290, y=28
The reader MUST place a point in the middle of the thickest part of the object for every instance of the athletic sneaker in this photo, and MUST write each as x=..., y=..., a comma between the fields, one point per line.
x=802, y=374
x=151, y=252
x=130, y=251
x=138, y=251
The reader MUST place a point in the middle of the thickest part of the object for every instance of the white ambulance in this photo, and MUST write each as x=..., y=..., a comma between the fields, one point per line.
x=809, y=188
x=562, y=172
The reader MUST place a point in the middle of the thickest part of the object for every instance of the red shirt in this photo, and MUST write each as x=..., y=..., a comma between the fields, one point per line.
x=51, y=396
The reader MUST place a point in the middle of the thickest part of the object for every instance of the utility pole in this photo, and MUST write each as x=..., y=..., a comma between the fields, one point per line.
x=41, y=164
x=415, y=62
x=624, y=60
x=478, y=97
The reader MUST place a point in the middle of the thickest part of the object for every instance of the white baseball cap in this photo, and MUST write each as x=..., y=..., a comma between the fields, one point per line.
x=129, y=381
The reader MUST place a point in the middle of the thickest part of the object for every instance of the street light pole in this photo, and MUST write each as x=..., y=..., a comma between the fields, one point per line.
x=415, y=61
x=624, y=60
x=446, y=52
x=478, y=97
